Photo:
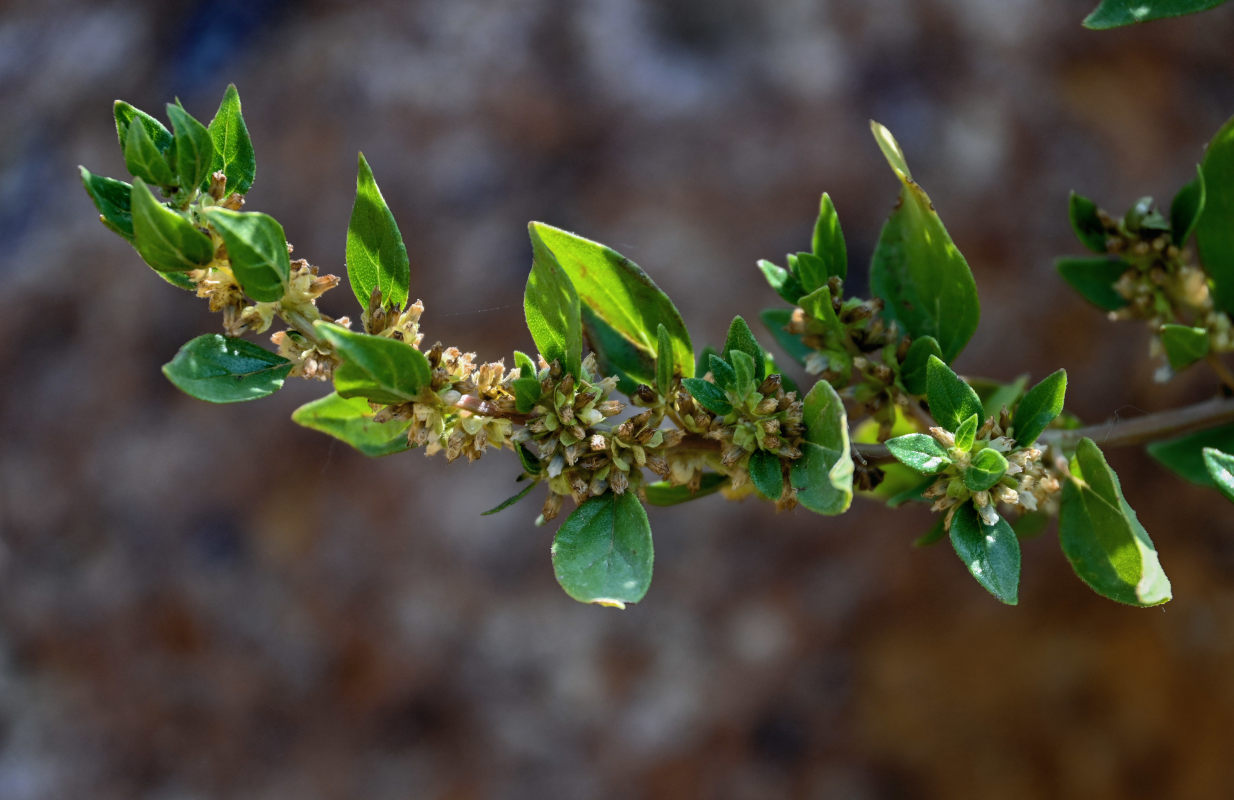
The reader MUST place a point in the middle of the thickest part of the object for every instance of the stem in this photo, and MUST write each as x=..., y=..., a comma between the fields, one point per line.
x=1141, y=430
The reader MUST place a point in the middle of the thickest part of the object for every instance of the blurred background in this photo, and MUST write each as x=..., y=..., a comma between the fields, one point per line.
x=204, y=601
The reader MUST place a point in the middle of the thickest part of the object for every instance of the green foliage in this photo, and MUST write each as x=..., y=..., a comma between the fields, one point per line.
x=823, y=476
x=985, y=470
x=509, y=501
x=1214, y=232
x=913, y=369
x=220, y=369
x=828, y=242
x=1042, y=404
x=951, y=400
x=766, y=475
x=709, y=395
x=113, y=199
x=233, y=150
x=376, y=256
x=603, y=552
x=966, y=434
x=663, y=493
x=166, y=240
x=194, y=148
x=776, y=320
x=1220, y=467
x=145, y=161
x=1116, y=13
x=782, y=281
x=376, y=368
x=126, y=115
x=1184, y=455
x=916, y=267
x=1094, y=279
x=921, y=452
x=257, y=248
x=741, y=339
x=1184, y=345
x=991, y=553
x=626, y=307
x=1186, y=208
x=350, y=419
x=1102, y=538
x=1086, y=223
x=551, y=306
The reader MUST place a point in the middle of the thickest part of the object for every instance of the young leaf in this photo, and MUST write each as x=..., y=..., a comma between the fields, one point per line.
x=917, y=269
x=776, y=321
x=1086, y=223
x=663, y=493
x=828, y=243
x=1039, y=407
x=784, y=282
x=624, y=298
x=1116, y=13
x=126, y=115
x=919, y=451
x=723, y=372
x=766, y=475
x=233, y=150
x=1107, y=546
x=220, y=369
x=819, y=306
x=350, y=419
x=551, y=305
x=823, y=476
x=509, y=501
x=743, y=370
x=374, y=367
x=603, y=552
x=167, y=241
x=913, y=368
x=113, y=199
x=991, y=553
x=1094, y=279
x=1184, y=454
x=145, y=161
x=1221, y=469
x=194, y=148
x=951, y=400
x=664, y=361
x=257, y=249
x=376, y=255
x=741, y=338
x=1214, y=234
x=1183, y=344
x=985, y=470
x=1186, y=207
x=966, y=434
x=708, y=395
x=526, y=386
x=809, y=269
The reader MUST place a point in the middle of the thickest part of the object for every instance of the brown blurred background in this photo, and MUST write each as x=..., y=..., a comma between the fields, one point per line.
x=209, y=602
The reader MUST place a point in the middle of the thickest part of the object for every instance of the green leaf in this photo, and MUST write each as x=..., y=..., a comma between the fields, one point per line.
x=113, y=199
x=743, y=368
x=918, y=270
x=966, y=434
x=1184, y=455
x=919, y=451
x=257, y=249
x=819, y=306
x=145, y=161
x=1094, y=279
x=194, y=148
x=1186, y=207
x=509, y=501
x=663, y=493
x=708, y=395
x=766, y=475
x=1116, y=13
x=991, y=553
x=664, y=361
x=1143, y=216
x=951, y=400
x=985, y=470
x=913, y=368
x=1107, y=546
x=823, y=476
x=233, y=150
x=220, y=369
x=1214, y=232
x=784, y=282
x=551, y=305
x=1183, y=344
x=527, y=389
x=996, y=395
x=126, y=114
x=374, y=367
x=741, y=339
x=1031, y=524
x=1039, y=407
x=1221, y=469
x=603, y=552
x=723, y=372
x=1086, y=223
x=776, y=320
x=809, y=269
x=167, y=241
x=624, y=298
x=350, y=419
x=376, y=255
x=828, y=243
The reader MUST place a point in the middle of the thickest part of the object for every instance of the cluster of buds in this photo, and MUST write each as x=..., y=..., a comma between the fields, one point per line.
x=1015, y=477
x=575, y=450
x=381, y=320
